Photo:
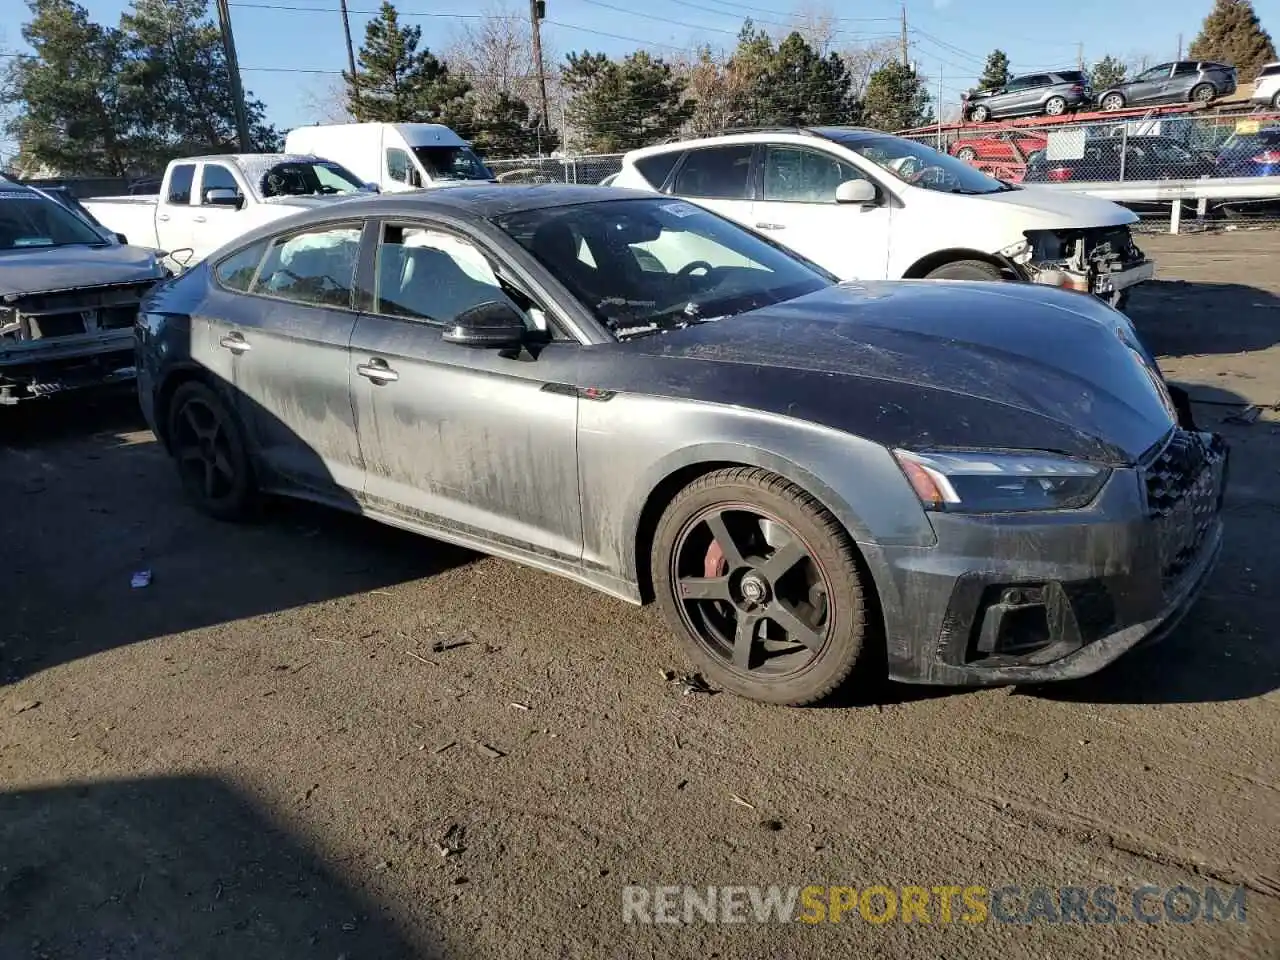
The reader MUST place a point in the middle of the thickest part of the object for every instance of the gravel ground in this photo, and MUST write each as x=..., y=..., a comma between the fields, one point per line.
x=320, y=737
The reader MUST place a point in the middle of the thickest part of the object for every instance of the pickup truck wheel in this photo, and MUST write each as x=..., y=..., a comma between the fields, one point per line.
x=1203, y=93
x=208, y=446
x=965, y=270
x=762, y=587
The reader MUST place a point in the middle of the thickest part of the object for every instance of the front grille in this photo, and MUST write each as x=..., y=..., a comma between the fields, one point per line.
x=1183, y=499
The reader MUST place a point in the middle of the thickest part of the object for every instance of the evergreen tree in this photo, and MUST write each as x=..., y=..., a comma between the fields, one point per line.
x=504, y=126
x=1107, y=72
x=798, y=87
x=896, y=99
x=395, y=82
x=1231, y=34
x=996, y=73
x=620, y=105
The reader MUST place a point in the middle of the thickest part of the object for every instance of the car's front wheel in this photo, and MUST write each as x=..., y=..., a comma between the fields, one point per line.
x=965, y=270
x=213, y=462
x=1112, y=101
x=979, y=114
x=762, y=586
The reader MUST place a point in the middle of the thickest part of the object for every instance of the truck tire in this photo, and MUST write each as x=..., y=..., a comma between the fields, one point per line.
x=966, y=270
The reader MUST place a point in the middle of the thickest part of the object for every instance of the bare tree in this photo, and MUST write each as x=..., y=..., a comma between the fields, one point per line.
x=495, y=54
x=817, y=23
x=864, y=59
x=326, y=102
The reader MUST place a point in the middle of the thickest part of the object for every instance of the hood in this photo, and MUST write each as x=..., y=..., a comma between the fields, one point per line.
x=921, y=363
x=1054, y=209
x=308, y=201
x=47, y=269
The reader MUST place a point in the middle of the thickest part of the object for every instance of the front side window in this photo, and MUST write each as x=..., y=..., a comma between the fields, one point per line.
x=431, y=275
x=180, y=179
x=315, y=267
x=29, y=220
x=1158, y=72
x=804, y=176
x=921, y=165
x=398, y=165
x=216, y=177
x=658, y=264
x=237, y=271
x=718, y=173
x=452, y=163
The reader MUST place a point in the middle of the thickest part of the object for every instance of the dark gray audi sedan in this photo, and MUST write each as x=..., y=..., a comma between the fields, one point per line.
x=975, y=483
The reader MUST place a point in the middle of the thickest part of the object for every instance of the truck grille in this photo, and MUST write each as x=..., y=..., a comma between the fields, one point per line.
x=1184, y=496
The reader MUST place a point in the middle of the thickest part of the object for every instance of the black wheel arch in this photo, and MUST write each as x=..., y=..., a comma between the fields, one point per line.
x=173, y=379
x=930, y=262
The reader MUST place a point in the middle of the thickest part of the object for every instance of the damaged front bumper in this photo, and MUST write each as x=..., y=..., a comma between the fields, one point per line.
x=1023, y=598
x=1102, y=261
x=67, y=340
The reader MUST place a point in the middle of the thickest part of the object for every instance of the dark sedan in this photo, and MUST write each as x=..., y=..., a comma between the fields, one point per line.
x=977, y=482
x=1122, y=158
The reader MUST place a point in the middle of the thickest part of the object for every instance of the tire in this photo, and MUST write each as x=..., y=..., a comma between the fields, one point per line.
x=1112, y=101
x=1055, y=107
x=979, y=114
x=208, y=447
x=1275, y=101
x=966, y=270
x=788, y=667
x=1203, y=93
x=967, y=154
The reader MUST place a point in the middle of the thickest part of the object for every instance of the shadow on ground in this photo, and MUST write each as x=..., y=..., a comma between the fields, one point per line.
x=1170, y=317
x=172, y=867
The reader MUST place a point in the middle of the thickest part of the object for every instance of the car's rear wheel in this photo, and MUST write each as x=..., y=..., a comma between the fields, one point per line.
x=967, y=154
x=208, y=446
x=965, y=270
x=1203, y=92
x=761, y=585
x=1113, y=101
x=1275, y=101
x=1055, y=106
x=979, y=114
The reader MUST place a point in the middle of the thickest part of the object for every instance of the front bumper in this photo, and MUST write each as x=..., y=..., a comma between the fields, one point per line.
x=1107, y=285
x=1037, y=598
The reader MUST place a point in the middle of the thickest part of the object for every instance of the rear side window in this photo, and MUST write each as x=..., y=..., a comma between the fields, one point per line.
x=1037, y=80
x=236, y=271
x=655, y=169
x=1271, y=71
x=1071, y=76
x=1186, y=69
x=720, y=173
x=180, y=183
x=316, y=267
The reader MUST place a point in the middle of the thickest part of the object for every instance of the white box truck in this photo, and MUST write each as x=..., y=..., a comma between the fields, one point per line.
x=395, y=156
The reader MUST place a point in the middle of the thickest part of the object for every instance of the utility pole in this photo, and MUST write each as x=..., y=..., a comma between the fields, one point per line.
x=939, y=106
x=346, y=30
x=233, y=68
x=905, y=61
x=538, y=10
x=1080, y=56
x=1179, y=57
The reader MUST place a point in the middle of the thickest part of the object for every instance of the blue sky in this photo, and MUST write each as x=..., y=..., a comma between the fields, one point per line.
x=292, y=50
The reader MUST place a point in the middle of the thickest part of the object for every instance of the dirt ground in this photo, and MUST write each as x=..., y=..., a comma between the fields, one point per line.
x=319, y=737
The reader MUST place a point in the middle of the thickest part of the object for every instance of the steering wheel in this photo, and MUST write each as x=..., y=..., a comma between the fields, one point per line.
x=688, y=269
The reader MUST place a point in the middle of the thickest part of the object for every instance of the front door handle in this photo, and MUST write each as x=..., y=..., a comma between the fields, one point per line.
x=377, y=371
x=771, y=226
x=235, y=342
x=198, y=219
x=162, y=216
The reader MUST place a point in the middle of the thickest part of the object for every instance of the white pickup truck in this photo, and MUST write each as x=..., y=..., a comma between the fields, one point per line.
x=205, y=202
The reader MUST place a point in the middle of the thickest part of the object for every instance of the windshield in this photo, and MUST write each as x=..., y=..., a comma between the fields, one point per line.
x=643, y=266
x=452, y=163
x=922, y=166
x=29, y=220
x=304, y=178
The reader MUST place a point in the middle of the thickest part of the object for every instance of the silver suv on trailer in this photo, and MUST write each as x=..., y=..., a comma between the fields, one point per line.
x=1183, y=81
x=1052, y=93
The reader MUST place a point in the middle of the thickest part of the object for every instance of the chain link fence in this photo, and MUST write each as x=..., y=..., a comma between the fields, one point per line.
x=587, y=169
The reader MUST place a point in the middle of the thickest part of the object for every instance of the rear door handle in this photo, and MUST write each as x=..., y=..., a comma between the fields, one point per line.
x=235, y=342
x=377, y=371
x=771, y=226
x=198, y=219
x=162, y=216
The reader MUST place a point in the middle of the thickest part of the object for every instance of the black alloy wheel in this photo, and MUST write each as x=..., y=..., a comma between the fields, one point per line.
x=207, y=444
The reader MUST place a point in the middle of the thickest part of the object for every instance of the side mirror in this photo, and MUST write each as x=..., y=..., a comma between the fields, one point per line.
x=122, y=239
x=493, y=323
x=415, y=178
x=372, y=187
x=861, y=192
x=222, y=197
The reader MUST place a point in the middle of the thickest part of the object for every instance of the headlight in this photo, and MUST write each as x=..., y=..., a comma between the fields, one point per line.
x=981, y=482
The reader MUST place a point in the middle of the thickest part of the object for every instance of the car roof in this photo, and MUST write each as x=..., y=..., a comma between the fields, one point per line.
x=756, y=134
x=485, y=200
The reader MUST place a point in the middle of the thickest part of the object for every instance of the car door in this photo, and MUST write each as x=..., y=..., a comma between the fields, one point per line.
x=290, y=337
x=718, y=178
x=175, y=215
x=1186, y=74
x=1029, y=97
x=466, y=438
x=797, y=207
x=1148, y=86
x=215, y=223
